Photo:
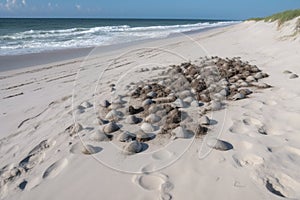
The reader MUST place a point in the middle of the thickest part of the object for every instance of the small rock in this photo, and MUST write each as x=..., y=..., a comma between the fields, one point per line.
x=243, y=84
x=180, y=132
x=219, y=144
x=218, y=96
x=254, y=69
x=152, y=94
x=167, y=128
x=80, y=108
x=188, y=99
x=293, y=76
x=133, y=111
x=100, y=121
x=154, y=108
x=262, y=131
x=23, y=184
x=204, y=120
x=287, y=72
x=133, y=147
x=258, y=75
x=111, y=127
x=224, y=82
x=86, y=104
x=179, y=103
x=184, y=94
x=250, y=79
x=261, y=85
x=195, y=104
x=113, y=115
x=215, y=105
x=132, y=119
x=99, y=136
x=238, y=96
x=126, y=136
x=204, y=98
x=147, y=102
x=118, y=100
x=141, y=136
x=173, y=116
x=147, y=87
x=152, y=118
x=224, y=92
x=104, y=103
x=245, y=91
x=264, y=75
x=233, y=87
x=147, y=127
x=201, y=130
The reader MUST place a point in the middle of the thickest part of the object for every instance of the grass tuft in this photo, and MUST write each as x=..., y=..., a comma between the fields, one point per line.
x=256, y=19
x=280, y=17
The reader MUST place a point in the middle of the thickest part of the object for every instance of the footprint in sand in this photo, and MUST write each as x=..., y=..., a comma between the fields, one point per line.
x=87, y=149
x=149, y=168
x=290, y=74
x=36, y=155
x=151, y=181
x=244, y=145
x=270, y=102
x=9, y=173
x=155, y=182
x=282, y=185
x=162, y=155
x=247, y=160
x=251, y=121
x=293, y=76
x=55, y=169
x=277, y=183
x=291, y=152
x=274, y=189
x=32, y=160
x=257, y=124
x=238, y=127
x=42, y=146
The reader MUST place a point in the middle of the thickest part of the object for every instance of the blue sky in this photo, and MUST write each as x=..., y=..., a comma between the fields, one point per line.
x=205, y=9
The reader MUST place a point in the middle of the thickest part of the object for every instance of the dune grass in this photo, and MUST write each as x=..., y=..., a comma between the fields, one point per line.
x=256, y=19
x=280, y=17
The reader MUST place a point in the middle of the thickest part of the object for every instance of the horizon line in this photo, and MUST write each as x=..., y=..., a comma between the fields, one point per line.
x=128, y=18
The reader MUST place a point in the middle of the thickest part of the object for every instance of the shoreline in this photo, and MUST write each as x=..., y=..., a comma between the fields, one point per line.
x=16, y=62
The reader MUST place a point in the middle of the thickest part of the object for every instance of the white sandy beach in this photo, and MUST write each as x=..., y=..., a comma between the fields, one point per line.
x=42, y=159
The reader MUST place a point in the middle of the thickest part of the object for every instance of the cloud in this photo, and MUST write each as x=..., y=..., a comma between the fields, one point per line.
x=78, y=7
x=11, y=4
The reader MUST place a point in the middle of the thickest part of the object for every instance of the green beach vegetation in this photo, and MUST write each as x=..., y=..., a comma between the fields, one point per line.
x=280, y=17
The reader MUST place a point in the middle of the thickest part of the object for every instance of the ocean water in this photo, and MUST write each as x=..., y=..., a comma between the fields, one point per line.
x=24, y=36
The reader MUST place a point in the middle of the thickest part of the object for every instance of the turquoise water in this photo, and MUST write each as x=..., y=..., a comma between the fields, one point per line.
x=23, y=36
